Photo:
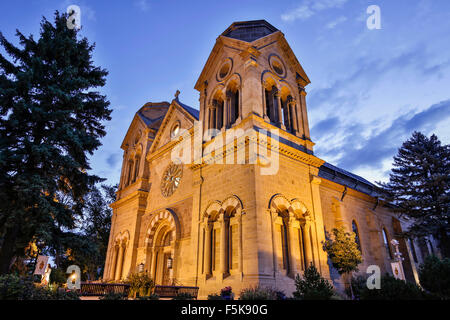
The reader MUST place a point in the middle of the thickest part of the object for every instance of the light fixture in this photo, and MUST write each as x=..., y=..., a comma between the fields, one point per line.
x=169, y=262
x=141, y=267
x=73, y=277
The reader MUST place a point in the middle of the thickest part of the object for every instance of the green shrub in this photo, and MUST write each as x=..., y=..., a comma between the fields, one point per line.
x=140, y=284
x=153, y=296
x=258, y=293
x=13, y=287
x=312, y=286
x=66, y=295
x=114, y=296
x=215, y=296
x=183, y=296
x=58, y=277
x=434, y=276
x=358, y=283
x=393, y=289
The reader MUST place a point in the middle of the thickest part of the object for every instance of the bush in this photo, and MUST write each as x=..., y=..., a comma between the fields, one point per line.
x=13, y=287
x=312, y=286
x=153, y=296
x=393, y=289
x=358, y=283
x=215, y=296
x=58, y=277
x=114, y=296
x=258, y=293
x=183, y=296
x=434, y=276
x=140, y=283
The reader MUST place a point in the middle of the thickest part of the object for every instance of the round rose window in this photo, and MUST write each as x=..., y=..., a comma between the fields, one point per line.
x=171, y=179
x=277, y=65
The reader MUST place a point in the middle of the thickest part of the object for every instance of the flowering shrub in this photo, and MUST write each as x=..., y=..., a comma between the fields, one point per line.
x=226, y=291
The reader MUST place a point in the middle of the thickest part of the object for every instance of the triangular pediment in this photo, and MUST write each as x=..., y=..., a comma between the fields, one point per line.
x=147, y=119
x=178, y=114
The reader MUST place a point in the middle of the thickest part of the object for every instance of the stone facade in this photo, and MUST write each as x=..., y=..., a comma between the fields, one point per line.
x=208, y=224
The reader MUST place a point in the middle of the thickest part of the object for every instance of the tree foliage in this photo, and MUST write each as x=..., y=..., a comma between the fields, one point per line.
x=51, y=120
x=343, y=251
x=87, y=245
x=419, y=187
x=434, y=276
x=312, y=286
x=391, y=289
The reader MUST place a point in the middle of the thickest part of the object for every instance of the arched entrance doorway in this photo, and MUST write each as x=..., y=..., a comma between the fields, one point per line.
x=163, y=257
x=163, y=233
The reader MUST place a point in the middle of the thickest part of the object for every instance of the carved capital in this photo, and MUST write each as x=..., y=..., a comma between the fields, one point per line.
x=316, y=180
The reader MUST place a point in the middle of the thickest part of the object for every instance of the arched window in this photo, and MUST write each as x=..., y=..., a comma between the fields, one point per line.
x=136, y=167
x=386, y=243
x=272, y=104
x=130, y=172
x=355, y=231
x=235, y=107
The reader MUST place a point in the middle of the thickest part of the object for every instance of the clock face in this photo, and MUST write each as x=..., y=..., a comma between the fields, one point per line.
x=171, y=179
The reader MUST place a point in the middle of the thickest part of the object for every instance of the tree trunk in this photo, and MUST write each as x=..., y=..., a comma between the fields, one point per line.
x=349, y=275
x=8, y=249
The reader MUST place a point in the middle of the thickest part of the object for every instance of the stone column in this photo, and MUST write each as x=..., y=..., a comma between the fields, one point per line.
x=227, y=119
x=307, y=244
x=119, y=265
x=294, y=116
x=294, y=247
x=208, y=247
x=288, y=120
x=304, y=113
x=112, y=273
x=223, y=247
x=240, y=253
x=280, y=116
x=210, y=117
x=154, y=261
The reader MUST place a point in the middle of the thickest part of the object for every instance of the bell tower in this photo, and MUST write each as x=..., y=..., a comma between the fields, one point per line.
x=253, y=70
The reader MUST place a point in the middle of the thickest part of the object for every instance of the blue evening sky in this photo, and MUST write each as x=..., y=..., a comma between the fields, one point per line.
x=370, y=89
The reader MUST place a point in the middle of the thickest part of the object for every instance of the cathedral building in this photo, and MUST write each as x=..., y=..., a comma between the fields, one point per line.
x=211, y=223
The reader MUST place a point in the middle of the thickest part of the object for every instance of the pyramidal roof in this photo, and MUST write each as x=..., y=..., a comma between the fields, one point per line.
x=249, y=31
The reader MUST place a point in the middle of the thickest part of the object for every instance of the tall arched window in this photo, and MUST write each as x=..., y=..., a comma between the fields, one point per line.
x=355, y=231
x=235, y=107
x=130, y=171
x=136, y=167
x=272, y=104
x=386, y=243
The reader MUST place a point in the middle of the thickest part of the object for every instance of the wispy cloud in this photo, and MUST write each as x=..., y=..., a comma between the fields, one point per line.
x=334, y=23
x=357, y=151
x=310, y=7
x=143, y=5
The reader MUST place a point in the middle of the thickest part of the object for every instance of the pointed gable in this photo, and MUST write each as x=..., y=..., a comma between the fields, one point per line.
x=178, y=113
x=149, y=117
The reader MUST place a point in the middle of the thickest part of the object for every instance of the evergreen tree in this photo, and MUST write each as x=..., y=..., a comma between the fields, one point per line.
x=343, y=252
x=419, y=187
x=312, y=286
x=51, y=120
